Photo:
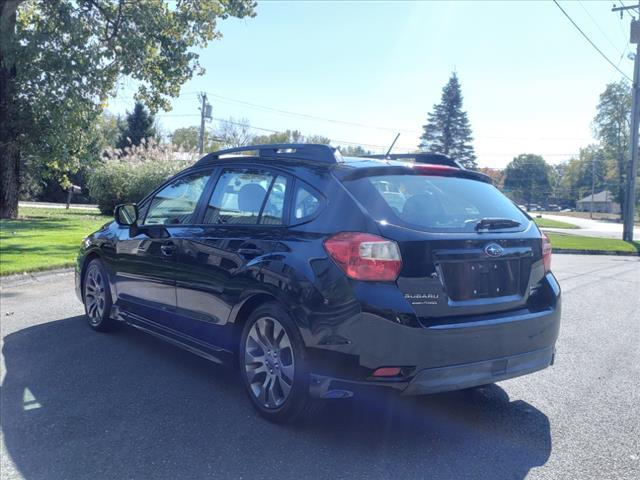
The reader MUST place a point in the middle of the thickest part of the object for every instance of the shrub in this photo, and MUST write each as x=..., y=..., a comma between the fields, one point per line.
x=128, y=175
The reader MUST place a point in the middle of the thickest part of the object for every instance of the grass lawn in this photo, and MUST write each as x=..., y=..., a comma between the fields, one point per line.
x=44, y=238
x=547, y=222
x=577, y=242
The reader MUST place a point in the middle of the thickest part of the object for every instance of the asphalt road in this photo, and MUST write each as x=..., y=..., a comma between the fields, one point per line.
x=79, y=404
x=588, y=227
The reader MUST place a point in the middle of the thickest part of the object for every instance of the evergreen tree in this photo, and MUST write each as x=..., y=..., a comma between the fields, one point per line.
x=447, y=130
x=139, y=127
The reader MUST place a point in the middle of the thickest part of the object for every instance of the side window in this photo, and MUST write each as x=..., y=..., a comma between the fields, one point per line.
x=176, y=203
x=305, y=203
x=240, y=197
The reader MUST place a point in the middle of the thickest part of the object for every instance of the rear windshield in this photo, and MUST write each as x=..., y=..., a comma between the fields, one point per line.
x=433, y=203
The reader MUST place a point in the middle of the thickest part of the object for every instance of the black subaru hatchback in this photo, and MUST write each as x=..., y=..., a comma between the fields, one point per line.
x=316, y=274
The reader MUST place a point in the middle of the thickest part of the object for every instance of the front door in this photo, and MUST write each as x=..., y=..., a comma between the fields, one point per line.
x=147, y=253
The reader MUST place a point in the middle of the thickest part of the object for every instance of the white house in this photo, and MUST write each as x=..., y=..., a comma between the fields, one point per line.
x=603, y=202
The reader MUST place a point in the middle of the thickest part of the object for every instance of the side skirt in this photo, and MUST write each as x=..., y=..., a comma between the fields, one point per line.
x=219, y=356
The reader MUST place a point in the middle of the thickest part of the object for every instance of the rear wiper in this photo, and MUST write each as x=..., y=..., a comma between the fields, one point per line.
x=496, y=224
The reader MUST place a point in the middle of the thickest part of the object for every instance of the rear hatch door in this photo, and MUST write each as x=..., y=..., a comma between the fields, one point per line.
x=466, y=248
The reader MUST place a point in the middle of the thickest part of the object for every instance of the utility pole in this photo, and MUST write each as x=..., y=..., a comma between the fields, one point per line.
x=593, y=183
x=630, y=191
x=205, y=113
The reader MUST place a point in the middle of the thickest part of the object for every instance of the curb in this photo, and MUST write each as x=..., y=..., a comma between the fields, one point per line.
x=571, y=251
x=25, y=278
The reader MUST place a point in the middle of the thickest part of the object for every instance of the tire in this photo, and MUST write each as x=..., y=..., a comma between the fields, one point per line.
x=96, y=296
x=273, y=367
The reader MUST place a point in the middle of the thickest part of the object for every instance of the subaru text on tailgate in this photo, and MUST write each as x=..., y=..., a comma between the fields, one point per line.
x=316, y=274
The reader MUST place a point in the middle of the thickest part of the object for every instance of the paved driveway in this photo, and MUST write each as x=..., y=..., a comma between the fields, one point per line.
x=78, y=404
x=590, y=228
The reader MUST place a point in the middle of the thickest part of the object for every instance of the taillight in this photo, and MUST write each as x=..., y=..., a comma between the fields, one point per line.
x=546, y=252
x=364, y=256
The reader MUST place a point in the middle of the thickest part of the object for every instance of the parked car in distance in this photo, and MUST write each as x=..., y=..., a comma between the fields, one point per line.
x=297, y=267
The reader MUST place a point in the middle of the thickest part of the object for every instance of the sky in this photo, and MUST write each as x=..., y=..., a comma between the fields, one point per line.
x=362, y=71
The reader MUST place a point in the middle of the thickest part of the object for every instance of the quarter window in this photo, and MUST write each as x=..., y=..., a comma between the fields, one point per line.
x=176, y=203
x=247, y=197
x=305, y=203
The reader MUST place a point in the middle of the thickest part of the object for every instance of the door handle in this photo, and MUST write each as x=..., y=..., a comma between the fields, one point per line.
x=168, y=249
x=250, y=252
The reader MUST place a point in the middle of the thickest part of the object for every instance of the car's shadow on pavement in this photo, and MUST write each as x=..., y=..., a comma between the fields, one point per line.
x=79, y=404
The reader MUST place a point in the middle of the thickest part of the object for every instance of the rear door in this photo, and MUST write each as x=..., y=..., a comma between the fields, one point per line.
x=219, y=259
x=454, y=264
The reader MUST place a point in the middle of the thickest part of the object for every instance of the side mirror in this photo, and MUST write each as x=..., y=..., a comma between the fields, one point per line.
x=126, y=214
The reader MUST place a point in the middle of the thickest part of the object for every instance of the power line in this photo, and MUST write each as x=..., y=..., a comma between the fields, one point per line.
x=349, y=142
x=627, y=11
x=590, y=41
x=346, y=122
x=313, y=117
x=599, y=28
x=269, y=130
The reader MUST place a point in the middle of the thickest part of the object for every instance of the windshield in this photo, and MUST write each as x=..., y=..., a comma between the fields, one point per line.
x=434, y=203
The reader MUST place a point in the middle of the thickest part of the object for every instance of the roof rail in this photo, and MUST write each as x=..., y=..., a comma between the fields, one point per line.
x=420, y=157
x=299, y=151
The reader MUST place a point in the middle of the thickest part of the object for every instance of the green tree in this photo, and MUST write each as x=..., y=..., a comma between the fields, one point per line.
x=107, y=130
x=321, y=139
x=354, y=151
x=60, y=60
x=575, y=177
x=288, y=136
x=612, y=129
x=139, y=127
x=40, y=180
x=527, y=178
x=448, y=130
x=186, y=138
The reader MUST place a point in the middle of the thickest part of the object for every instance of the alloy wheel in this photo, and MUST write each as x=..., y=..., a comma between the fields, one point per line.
x=269, y=362
x=95, y=296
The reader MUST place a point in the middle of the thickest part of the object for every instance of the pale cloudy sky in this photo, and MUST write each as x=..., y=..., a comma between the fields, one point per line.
x=530, y=81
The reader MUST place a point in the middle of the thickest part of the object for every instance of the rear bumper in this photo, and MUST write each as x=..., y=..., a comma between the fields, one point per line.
x=437, y=358
x=443, y=379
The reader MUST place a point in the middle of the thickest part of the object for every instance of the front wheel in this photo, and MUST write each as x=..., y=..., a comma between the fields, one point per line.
x=273, y=364
x=97, y=297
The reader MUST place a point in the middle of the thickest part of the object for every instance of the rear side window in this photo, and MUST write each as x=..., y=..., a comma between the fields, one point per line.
x=434, y=203
x=305, y=203
x=244, y=197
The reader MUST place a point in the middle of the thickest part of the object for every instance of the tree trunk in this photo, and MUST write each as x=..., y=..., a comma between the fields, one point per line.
x=9, y=149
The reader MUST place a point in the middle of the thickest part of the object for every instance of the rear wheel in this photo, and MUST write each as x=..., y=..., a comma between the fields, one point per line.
x=97, y=297
x=273, y=364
